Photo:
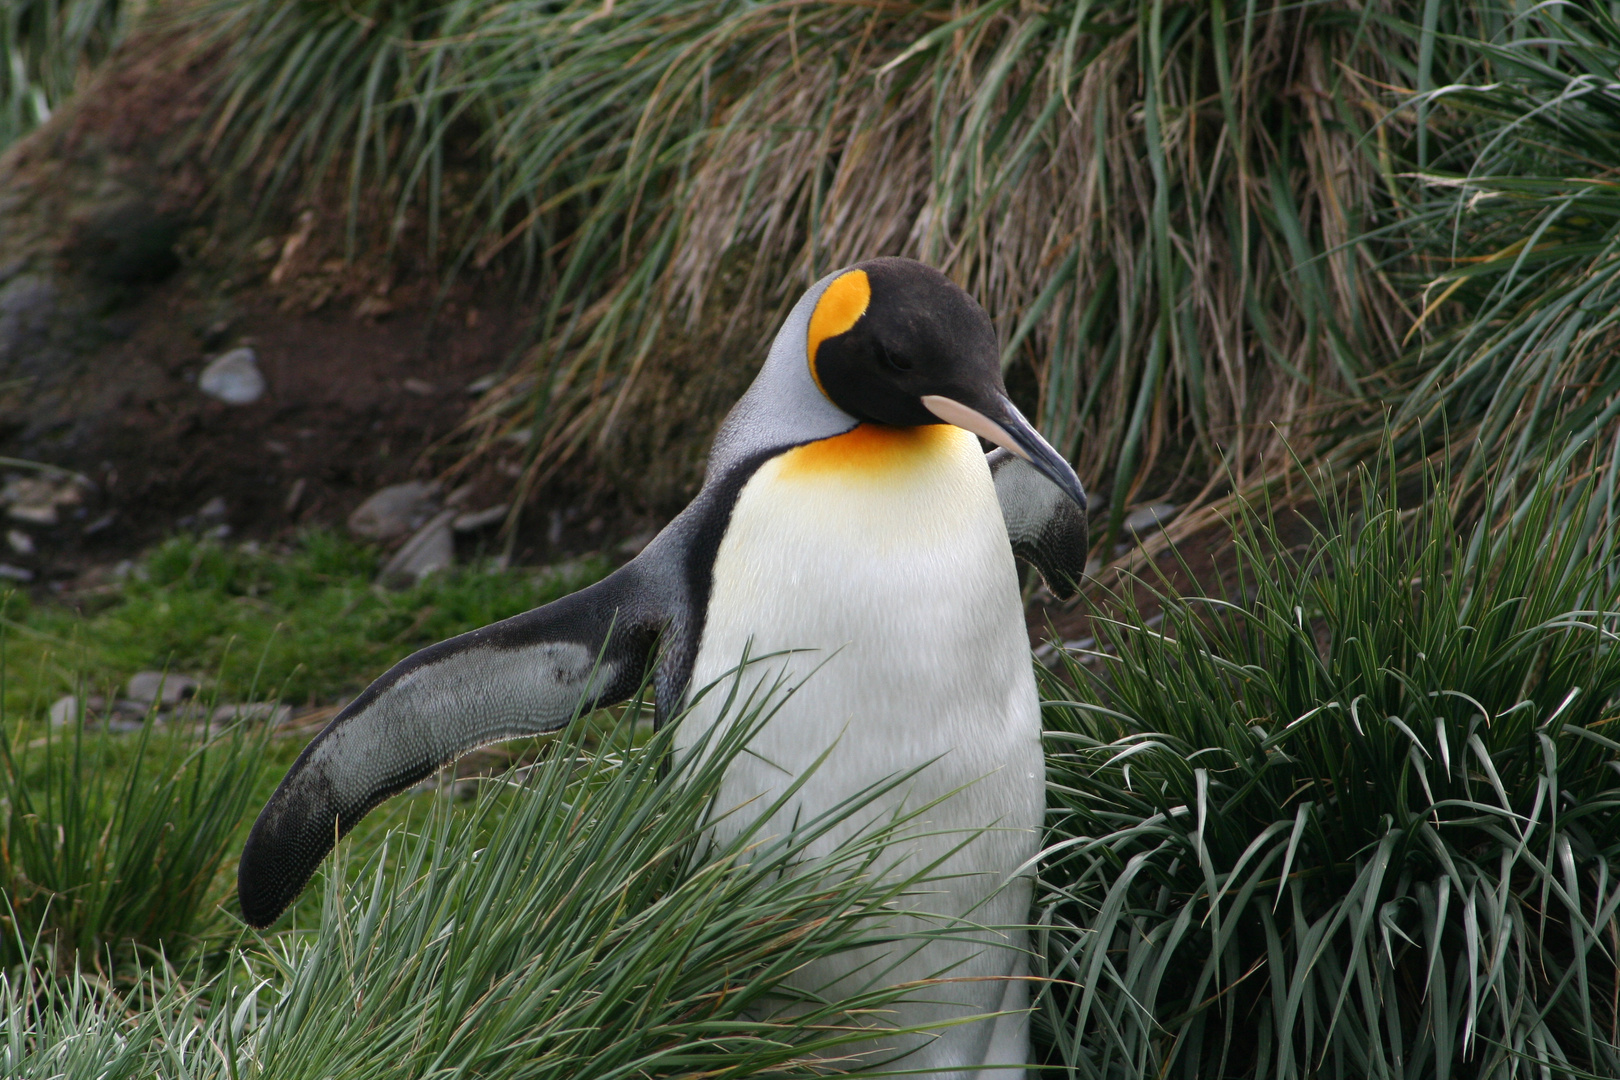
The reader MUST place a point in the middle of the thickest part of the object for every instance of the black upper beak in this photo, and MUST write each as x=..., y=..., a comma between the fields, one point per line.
x=1001, y=423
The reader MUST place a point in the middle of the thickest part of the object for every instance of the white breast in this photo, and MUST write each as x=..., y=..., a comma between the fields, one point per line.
x=892, y=578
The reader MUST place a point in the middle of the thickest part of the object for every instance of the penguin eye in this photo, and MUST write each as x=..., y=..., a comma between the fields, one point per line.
x=895, y=363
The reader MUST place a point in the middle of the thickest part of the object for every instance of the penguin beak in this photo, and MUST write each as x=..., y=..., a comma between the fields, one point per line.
x=1006, y=427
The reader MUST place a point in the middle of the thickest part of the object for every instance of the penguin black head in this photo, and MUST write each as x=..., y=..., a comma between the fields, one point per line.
x=895, y=342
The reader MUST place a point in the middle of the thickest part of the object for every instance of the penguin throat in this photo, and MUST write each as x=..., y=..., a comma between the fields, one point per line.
x=874, y=450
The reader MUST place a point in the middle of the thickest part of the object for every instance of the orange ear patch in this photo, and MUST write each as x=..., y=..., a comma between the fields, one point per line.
x=839, y=308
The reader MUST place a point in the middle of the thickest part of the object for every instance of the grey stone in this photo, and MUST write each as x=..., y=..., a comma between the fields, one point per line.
x=214, y=509
x=27, y=304
x=15, y=573
x=1148, y=520
x=395, y=511
x=481, y=519
x=433, y=548
x=33, y=513
x=233, y=377
x=64, y=711
x=163, y=687
x=253, y=711
x=20, y=542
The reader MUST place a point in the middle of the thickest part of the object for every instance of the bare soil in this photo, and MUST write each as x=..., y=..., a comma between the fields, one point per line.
x=125, y=266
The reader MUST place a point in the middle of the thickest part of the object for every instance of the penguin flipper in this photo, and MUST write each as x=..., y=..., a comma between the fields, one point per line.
x=1045, y=526
x=522, y=676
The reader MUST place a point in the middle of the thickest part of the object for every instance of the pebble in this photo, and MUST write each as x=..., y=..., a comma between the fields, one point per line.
x=64, y=711
x=253, y=711
x=20, y=542
x=433, y=548
x=1149, y=519
x=480, y=519
x=145, y=687
x=33, y=513
x=214, y=509
x=394, y=511
x=233, y=377
x=15, y=573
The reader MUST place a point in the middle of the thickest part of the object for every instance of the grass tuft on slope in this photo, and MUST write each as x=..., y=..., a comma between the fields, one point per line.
x=573, y=921
x=1359, y=819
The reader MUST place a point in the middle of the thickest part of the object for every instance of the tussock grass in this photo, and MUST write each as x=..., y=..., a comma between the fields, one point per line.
x=1161, y=205
x=1518, y=221
x=1358, y=820
x=106, y=845
x=574, y=921
x=47, y=49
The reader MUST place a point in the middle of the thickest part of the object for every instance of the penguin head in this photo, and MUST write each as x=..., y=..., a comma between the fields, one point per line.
x=894, y=342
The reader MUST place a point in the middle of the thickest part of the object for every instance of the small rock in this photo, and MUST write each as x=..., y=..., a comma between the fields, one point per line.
x=163, y=687
x=61, y=490
x=1149, y=519
x=483, y=384
x=33, y=513
x=214, y=509
x=233, y=377
x=419, y=387
x=20, y=542
x=373, y=307
x=15, y=573
x=27, y=305
x=65, y=710
x=480, y=519
x=395, y=511
x=433, y=548
x=253, y=711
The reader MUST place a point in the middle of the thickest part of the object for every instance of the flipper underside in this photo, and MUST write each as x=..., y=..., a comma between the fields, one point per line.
x=523, y=676
x=1045, y=526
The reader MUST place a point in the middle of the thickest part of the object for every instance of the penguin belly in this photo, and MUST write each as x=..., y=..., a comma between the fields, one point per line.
x=881, y=558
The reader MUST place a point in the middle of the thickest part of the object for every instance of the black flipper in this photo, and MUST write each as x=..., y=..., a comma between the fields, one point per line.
x=523, y=676
x=1044, y=524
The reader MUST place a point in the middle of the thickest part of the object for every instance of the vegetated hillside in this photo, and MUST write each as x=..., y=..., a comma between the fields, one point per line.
x=1202, y=231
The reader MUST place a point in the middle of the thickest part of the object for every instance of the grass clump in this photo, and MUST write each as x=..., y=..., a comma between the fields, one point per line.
x=117, y=842
x=575, y=923
x=47, y=50
x=1359, y=823
x=1518, y=226
x=106, y=845
x=1161, y=204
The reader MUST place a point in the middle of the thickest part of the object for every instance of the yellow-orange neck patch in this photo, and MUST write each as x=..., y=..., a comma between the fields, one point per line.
x=872, y=450
x=839, y=308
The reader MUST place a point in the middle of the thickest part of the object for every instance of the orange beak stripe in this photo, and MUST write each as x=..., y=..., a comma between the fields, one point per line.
x=839, y=308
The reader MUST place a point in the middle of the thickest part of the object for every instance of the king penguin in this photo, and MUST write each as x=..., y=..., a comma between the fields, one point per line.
x=852, y=532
